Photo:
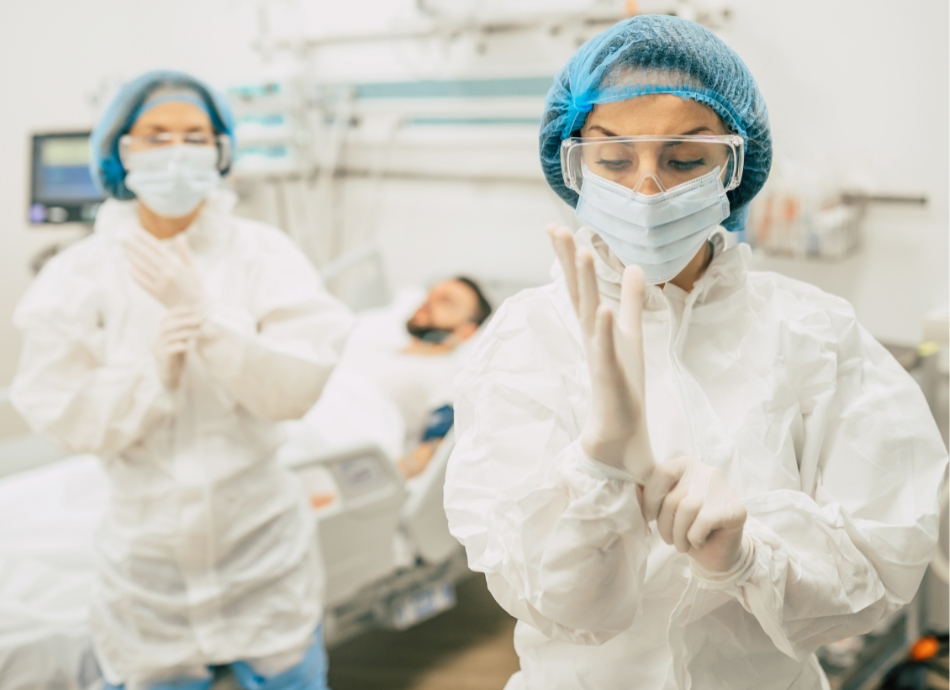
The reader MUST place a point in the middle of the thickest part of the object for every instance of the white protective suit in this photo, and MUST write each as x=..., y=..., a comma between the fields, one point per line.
x=828, y=442
x=207, y=553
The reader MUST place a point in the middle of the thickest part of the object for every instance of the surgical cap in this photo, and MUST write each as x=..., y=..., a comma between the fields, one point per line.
x=134, y=98
x=652, y=54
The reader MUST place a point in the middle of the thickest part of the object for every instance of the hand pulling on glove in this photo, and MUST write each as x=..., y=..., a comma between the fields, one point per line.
x=176, y=331
x=692, y=503
x=696, y=510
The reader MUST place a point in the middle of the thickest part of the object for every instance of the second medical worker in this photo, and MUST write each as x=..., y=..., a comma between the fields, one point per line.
x=674, y=471
x=170, y=343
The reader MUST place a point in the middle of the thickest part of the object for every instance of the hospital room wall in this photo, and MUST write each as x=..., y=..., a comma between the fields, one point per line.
x=859, y=90
x=856, y=87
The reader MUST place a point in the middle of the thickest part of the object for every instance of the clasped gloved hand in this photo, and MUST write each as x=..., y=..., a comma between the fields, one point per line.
x=172, y=280
x=176, y=331
x=615, y=432
x=696, y=510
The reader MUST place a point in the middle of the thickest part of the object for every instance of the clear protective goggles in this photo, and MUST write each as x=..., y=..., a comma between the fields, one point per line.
x=129, y=144
x=652, y=164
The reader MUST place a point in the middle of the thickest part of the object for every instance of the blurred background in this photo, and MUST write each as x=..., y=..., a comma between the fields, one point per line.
x=396, y=142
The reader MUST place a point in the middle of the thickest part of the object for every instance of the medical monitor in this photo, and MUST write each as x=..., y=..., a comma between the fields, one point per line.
x=62, y=189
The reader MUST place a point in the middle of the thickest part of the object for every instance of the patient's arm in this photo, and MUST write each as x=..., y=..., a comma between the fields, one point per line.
x=416, y=460
x=439, y=424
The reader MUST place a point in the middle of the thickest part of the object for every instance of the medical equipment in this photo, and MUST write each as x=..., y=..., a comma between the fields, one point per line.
x=390, y=560
x=787, y=220
x=61, y=187
x=338, y=136
x=270, y=126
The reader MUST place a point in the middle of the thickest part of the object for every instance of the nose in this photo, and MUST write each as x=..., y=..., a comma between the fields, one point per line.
x=649, y=185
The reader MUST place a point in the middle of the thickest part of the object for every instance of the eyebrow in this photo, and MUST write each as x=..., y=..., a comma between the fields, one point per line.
x=695, y=130
x=155, y=127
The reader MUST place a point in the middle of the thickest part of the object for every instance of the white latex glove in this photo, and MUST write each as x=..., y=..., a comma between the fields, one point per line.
x=176, y=331
x=697, y=511
x=172, y=280
x=615, y=432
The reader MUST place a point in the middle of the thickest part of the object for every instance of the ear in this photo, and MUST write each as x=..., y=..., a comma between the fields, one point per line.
x=466, y=330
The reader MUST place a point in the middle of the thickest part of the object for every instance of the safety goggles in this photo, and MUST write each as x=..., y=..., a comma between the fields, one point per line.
x=129, y=144
x=651, y=164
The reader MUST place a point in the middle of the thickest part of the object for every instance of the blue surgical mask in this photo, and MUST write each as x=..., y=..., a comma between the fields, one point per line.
x=173, y=180
x=662, y=232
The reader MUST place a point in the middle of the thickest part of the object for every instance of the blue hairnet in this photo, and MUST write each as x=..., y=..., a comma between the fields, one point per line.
x=659, y=54
x=122, y=112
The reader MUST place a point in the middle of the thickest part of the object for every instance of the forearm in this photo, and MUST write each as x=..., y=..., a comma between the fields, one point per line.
x=276, y=379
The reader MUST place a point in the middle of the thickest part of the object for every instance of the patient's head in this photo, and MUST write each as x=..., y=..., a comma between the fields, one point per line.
x=455, y=307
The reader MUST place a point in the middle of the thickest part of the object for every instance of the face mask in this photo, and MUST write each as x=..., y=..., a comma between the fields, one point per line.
x=661, y=233
x=173, y=180
x=427, y=334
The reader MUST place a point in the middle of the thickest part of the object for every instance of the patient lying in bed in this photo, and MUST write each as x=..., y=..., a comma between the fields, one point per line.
x=394, y=380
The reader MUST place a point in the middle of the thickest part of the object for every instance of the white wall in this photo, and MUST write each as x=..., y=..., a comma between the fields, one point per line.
x=859, y=88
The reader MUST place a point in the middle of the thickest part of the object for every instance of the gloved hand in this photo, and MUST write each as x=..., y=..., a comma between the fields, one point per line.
x=177, y=329
x=615, y=432
x=696, y=510
x=172, y=280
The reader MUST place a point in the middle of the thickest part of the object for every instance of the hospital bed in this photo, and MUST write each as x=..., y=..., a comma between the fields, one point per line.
x=388, y=555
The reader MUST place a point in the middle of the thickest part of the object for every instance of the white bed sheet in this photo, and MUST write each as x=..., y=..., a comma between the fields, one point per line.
x=378, y=393
x=48, y=520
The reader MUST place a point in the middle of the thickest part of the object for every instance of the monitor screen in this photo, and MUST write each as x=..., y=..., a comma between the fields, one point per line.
x=63, y=190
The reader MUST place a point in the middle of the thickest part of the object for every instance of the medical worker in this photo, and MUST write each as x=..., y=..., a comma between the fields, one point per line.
x=674, y=471
x=170, y=343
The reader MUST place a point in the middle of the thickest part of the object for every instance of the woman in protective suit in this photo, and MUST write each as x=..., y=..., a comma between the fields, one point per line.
x=674, y=471
x=171, y=343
